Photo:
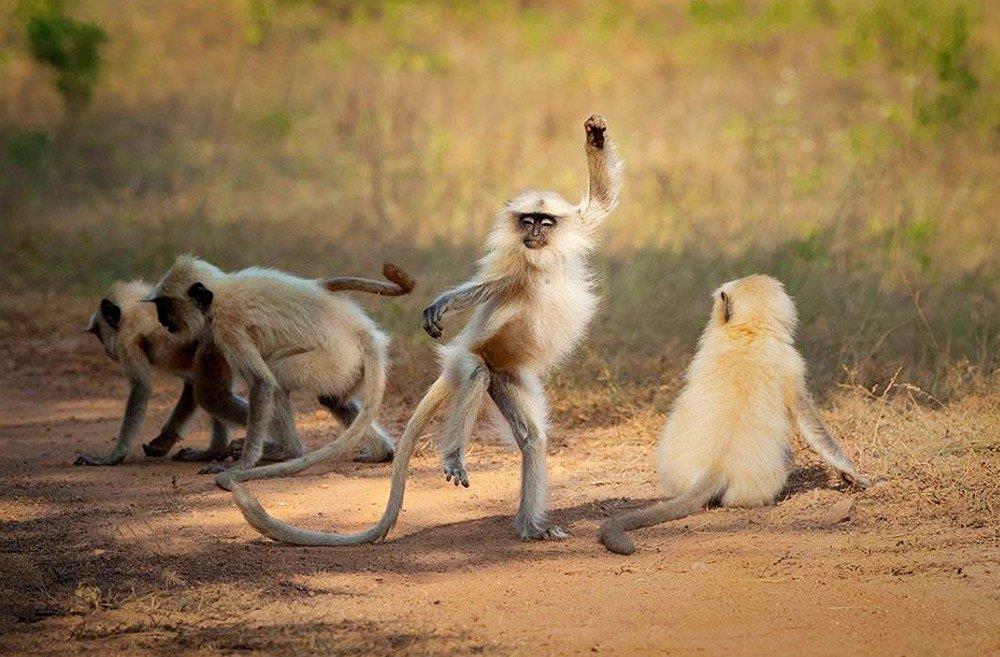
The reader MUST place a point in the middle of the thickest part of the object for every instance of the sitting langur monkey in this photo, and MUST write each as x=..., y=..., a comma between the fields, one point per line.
x=727, y=438
x=533, y=299
x=281, y=333
x=131, y=335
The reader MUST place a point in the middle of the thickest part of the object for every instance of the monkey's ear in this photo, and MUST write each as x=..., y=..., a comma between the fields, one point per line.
x=201, y=295
x=111, y=313
x=727, y=307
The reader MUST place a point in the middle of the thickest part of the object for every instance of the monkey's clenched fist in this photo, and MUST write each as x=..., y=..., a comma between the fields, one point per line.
x=595, y=127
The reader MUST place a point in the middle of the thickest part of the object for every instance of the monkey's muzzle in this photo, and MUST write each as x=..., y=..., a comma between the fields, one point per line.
x=535, y=242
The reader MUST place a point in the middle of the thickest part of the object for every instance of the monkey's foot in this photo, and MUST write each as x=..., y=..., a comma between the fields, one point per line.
x=550, y=533
x=214, y=468
x=162, y=444
x=595, y=127
x=190, y=454
x=454, y=469
x=858, y=481
x=374, y=454
x=87, y=459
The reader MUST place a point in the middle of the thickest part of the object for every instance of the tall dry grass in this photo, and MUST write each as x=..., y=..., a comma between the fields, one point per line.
x=849, y=148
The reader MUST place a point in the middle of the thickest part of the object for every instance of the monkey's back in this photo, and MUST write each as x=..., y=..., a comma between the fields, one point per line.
x=310, y=338
x=731, y=418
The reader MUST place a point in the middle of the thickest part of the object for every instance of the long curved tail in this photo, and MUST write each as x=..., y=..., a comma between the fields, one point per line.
x=400, y=283
x=373, y=359
x=287, y=533
x=613, y=530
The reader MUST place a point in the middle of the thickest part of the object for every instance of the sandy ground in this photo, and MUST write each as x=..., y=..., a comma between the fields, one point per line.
x=150, y=559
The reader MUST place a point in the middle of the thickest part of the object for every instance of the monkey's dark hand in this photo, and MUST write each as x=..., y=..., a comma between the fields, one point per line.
x=162, y=444
x=595, y=127
x=87, y=459
x=432, y=320
x=858, y=481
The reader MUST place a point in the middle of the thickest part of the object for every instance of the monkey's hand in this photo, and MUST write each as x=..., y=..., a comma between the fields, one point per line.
x=162, y=444
x=87, y=459
x=433, y=314
x=858, y=481
x=595, y=127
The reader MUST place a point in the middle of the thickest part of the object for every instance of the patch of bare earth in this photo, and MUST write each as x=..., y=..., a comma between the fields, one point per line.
x=151, y=559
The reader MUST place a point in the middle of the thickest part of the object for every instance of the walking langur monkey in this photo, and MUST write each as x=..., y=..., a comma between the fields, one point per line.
x=533, y=299
x=280, y=333
x=131, y=335
x=727, y=438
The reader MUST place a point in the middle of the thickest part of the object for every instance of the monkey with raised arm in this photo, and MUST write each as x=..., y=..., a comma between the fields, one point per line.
x=281, y=333
x=532, y=300
x=727, y=437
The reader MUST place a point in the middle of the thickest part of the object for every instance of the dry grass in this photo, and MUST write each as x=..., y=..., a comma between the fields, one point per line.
x=834, y=145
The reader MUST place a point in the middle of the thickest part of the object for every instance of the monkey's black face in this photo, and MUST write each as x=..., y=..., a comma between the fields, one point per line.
x=165, y=313
x=535, y=229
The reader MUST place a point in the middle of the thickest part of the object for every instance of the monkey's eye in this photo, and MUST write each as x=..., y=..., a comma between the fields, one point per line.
x=548, y=221
x=527, y=221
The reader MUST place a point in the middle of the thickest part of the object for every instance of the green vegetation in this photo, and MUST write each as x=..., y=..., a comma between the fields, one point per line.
x=850, y=148
x=69, y=46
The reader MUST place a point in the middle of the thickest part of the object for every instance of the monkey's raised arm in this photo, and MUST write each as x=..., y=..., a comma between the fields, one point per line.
x=460, y=298
x=815, y=433
x=605, y=171
x=135, y=412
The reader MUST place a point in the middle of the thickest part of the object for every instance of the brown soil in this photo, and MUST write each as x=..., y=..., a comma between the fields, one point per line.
x=150, y=558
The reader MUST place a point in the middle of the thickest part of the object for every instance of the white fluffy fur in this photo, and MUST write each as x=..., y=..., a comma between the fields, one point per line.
x=732, y=415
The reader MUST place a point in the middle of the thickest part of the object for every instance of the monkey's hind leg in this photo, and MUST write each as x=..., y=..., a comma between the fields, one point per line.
x=522, y=403
x=379, y=447
x=458, y=428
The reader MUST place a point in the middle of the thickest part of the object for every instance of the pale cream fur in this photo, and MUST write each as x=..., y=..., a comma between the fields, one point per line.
x=727, y=437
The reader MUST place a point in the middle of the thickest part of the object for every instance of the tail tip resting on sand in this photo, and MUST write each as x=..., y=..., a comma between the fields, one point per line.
x=614, y=539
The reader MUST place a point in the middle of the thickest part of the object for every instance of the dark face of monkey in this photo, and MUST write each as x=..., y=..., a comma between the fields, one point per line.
x=105, y=323
x=535, y=228
x=165, y=313
x=170, y=314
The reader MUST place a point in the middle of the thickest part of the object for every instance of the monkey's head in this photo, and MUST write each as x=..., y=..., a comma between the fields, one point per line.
x=755, y=305
x=539, y=226
x=183, y=296
x=114, y=311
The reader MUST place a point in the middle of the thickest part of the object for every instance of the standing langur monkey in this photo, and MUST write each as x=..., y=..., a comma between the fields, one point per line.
x=282, y=333
x=533, y=299
x=727, y=438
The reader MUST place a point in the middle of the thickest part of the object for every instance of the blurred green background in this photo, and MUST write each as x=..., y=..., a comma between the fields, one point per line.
x=849, y=148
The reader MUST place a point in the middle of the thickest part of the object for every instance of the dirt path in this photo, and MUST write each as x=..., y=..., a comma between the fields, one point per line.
x=150, y=558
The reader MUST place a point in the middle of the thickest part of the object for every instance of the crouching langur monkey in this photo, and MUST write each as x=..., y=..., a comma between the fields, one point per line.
x=532, y=300
x=727, y=437
x=282, y=333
